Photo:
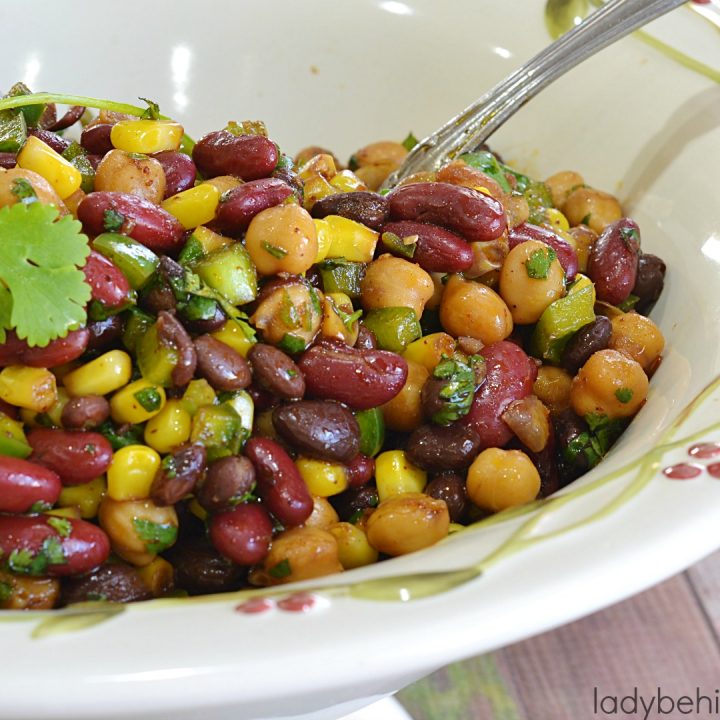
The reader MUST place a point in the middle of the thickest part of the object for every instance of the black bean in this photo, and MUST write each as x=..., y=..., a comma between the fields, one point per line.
x=587, y=340
x=227, y=481
x=368, y=208
x=649, y=283
x=435, y=448
x=114, y=582
x=450, y=487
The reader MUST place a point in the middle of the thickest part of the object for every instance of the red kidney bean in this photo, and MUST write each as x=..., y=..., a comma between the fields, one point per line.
x=200, y=569
x=241, y=204
x=320, y=428
x=450, y=487
x=114, y=582
x=178, y=475
x=23, y=483
x=362, y=379
x=12, y=350
x=171, y=331
x=224, y=368
x=179, y=169
x=276, y=372
x=8, y=160
x=366, y=338
x=587, y=340
x=10, y=410
x=107, y=282
x=278, y=481
x=77, y=457
x=565, y=252
x=57, y=143
x=436, y=447
x=227, y=481
x=360, y=470
x=104, y=333
x=83, y=548
x=368, y=208
x=649, y=283
x=436, y=249
x=96, y=138
x=469, y=213
x=85, y=413
x=242, y=534
x=71, y=116
x=149, y=224
x=613, y=261
x=249, y=157
x=262, y=398
x=57, y=352
x=510, y=375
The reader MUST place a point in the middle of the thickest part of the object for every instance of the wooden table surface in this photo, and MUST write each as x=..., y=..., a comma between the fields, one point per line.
x=667, y=637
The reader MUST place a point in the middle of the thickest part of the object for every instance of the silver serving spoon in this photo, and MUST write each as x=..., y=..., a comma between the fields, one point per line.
x=475, y=124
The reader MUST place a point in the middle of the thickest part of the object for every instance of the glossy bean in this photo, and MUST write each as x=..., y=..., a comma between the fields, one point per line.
x=587, y=340
x=368, y=208
x=436, y=249
x=227, y=481
x=57, y=352
x=450, y=487
x=469, y=213
x=279, y=482
x=248, y=157
x=359, y=470
x=104, y=333
x=96, y=138
x=241, y=204
x=23, y=483
x=178, y=475
x=649, y=282
x=565, y=252
x=613, y=261
x=71, y=116
x=510, y=375
x=224, y=368
x=79, y=549
x=179, y=169
x=355, y=501
x=362, y=379
x=435, y=447
x=171, y=331
x=56, y=142
x=200, y=569
x=242, y=534
x=149, y=224
x=77, y=457
x=319, y=428
x=366, y=338
x=85, y=412
x=107, y=283
x=113, y=582
x=276, y=372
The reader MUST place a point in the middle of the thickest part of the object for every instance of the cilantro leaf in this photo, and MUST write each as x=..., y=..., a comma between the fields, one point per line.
x=458, y=390
x=149, y=398
x=538, y=264
x=156, y=536
x=45, y=290
x=6, y=591
x=153, y=110
x=23, y=190
x=624, y=395
x=410, y=141
x=281, y=570
x=61, y=524
x=274, y=250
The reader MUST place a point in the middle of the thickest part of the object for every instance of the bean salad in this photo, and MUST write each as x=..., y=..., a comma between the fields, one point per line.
x=224, y=367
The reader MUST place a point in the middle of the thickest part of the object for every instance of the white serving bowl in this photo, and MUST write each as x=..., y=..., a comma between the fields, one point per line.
x=632, y=120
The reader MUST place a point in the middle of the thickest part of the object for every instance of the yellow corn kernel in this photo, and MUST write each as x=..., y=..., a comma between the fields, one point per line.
x=169, y=428
x=100, y=376
x=396, y=475
x=322, y=164
x=223, y=182
x=428, y=350
x=316, y=188
x=64, y=512
x=137, y=402
x=131, y=472
x=198, y=510
x=209, y=240
x=232, y=334
x=158, y=576
x=322, y=478
x=195, y=206
x=354, y=550
x=347, y=181
x=146, y=136
x=556, y=219
x=42, y=159
x=349, y=239
x=54, y=414
x=28, y=387
x=86, y=497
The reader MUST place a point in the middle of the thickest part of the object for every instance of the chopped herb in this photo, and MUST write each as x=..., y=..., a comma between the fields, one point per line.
x=199, y=308
x=152, y=112
x=168, y=465
x=355, y=516
x=314, y=299
x=156, y=536
x=149, y=398
x=113, y=221
x=247, y=127
x=353, y=163
x=624, y=395
x=458, y=390
x=629, y=303
x=24, y=562
x=292, y=344
x=409, y=142
x=247, y=497
x=274, y=250
x=488, y=163
x=586, y=220
x=630, y=233
x=62, y=525
x=6, y=591
x=23, y=190
x=40, y=506
x=96, y=597
x=288, y=311
x=191, y=252
x=281, y=570
x=401, y=246
x=348, y=319
x=122, y=436
x=538, y=264
x=291, y=373
x=594, y=443
x=89, y=449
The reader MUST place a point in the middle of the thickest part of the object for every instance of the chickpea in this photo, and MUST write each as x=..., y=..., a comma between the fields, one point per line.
x=475, y=310
x=562, y=183
x=584, y=239
x=517, y=210
x=223, y=183
x=310, y=152
x=121, y=520
x=459, y=172
x=333, y=325
x=43, y=189
x=385, y=152
x=530, y=279
x=594, y=208
x=408, y=522
x=323, y=514
x=353, y=546
x=639, y=338
x=304, y=553
x=394, y=282
x=321, y=164
x=404, y=412
x=282, y=239
x=373, y=176
x=29, y=593
x=609, y=383
x=120, y=171
x=499, y=479
x=553, y=388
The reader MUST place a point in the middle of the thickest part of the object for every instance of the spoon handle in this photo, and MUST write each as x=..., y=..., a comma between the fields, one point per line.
x=475, y=124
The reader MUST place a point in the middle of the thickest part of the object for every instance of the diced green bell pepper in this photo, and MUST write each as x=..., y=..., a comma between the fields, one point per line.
x=32, y=113
x=394, y=327
x=372, y=431
x=13, y=130
x=342, y=276
x=78, y=158
x=137, y=323
x=231, y=272
x=12, y=438
x=156, y=360
x=136, y=261
x=220, y=429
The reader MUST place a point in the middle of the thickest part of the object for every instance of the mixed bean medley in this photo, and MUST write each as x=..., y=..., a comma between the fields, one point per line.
x=278, y=372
